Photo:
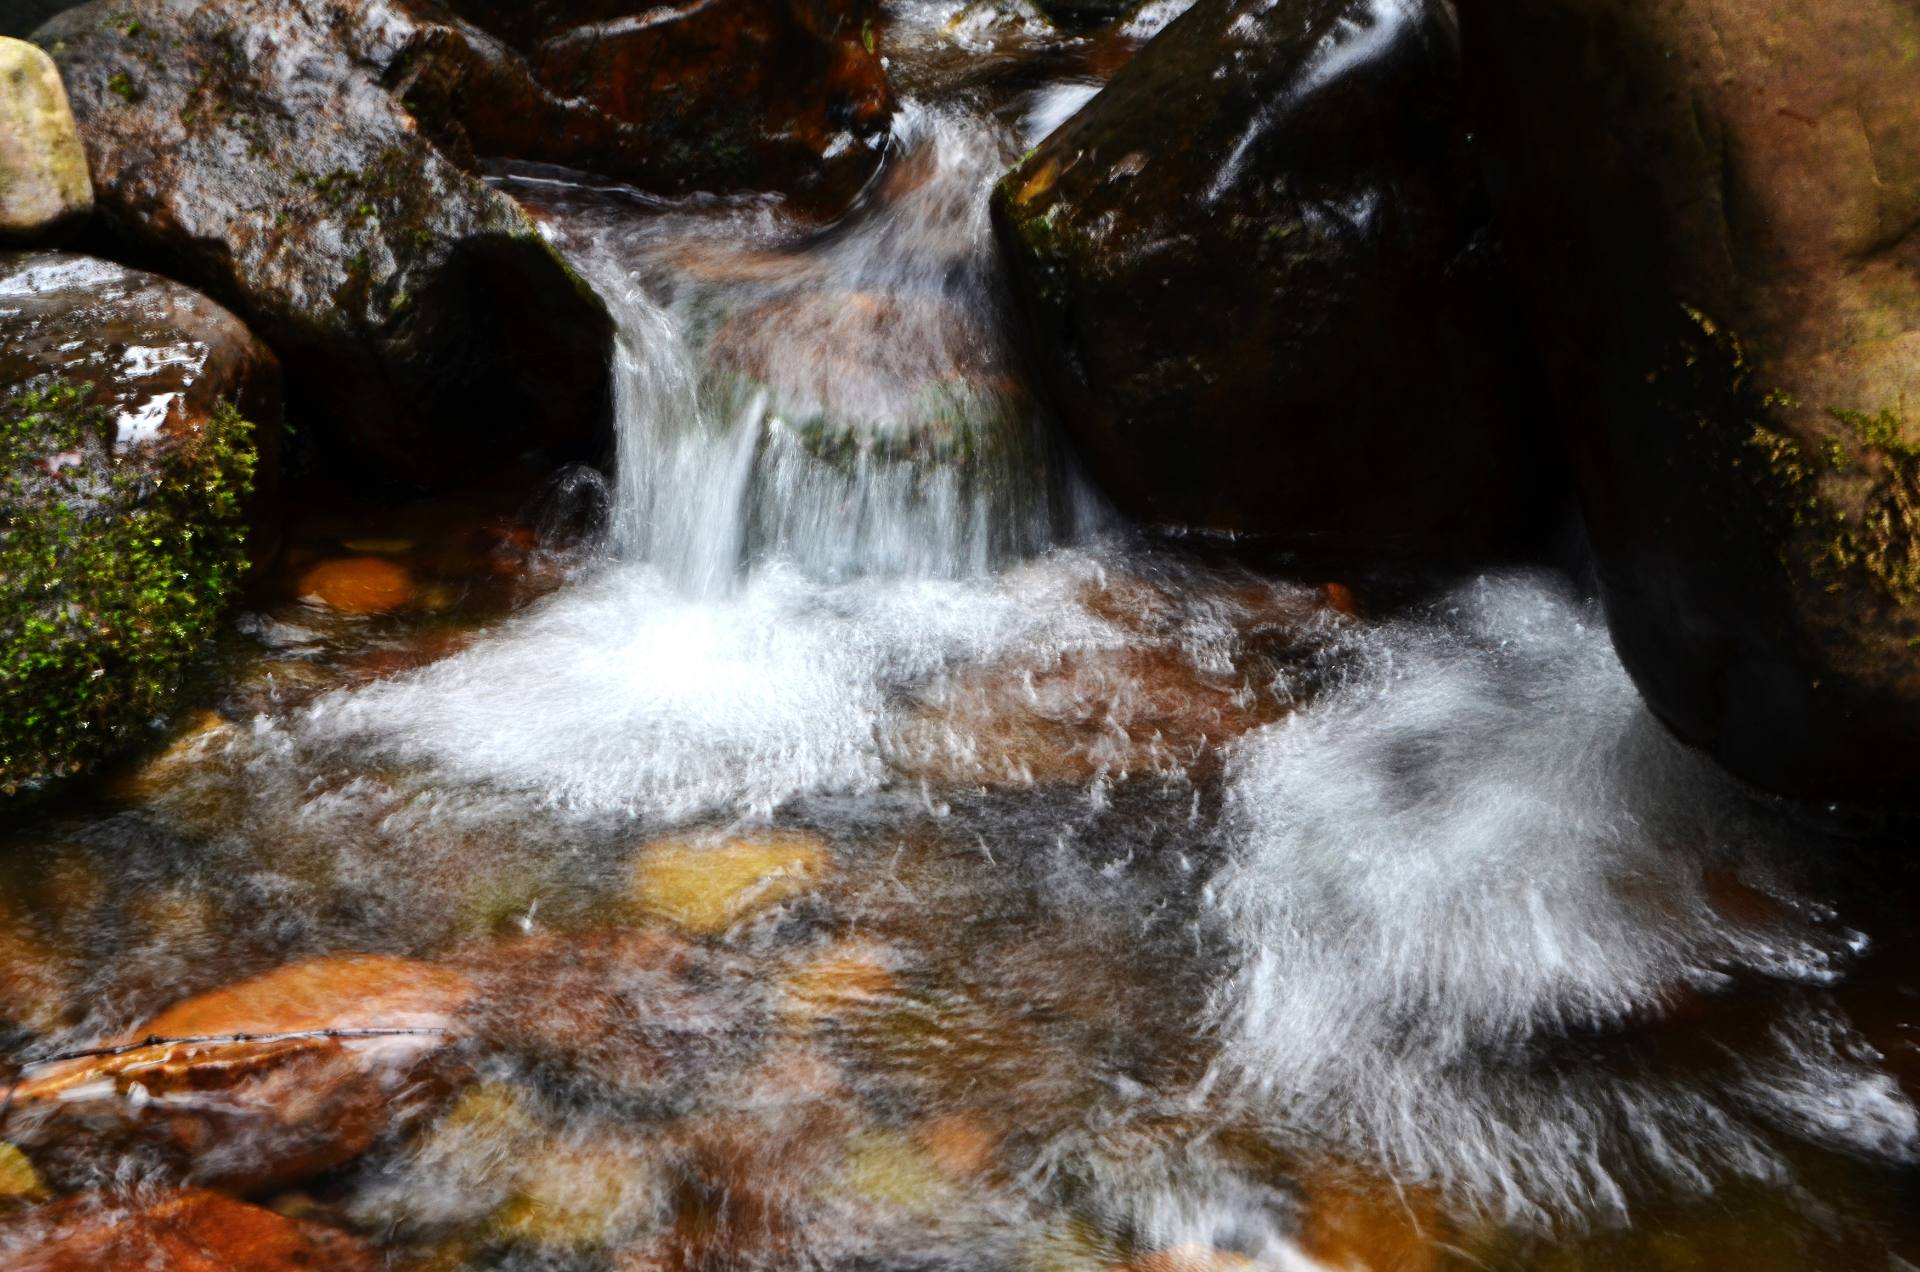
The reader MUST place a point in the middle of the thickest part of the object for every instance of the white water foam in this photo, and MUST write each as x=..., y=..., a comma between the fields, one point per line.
x=1479, y=845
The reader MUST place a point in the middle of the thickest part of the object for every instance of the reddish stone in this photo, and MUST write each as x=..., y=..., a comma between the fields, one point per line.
x=257, y=1086
x=194, y=1231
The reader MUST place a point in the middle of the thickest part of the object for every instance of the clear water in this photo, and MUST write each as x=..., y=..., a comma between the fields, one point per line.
x=1127, y=909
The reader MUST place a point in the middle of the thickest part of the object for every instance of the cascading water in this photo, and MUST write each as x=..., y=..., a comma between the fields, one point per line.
x=844, y=405
x=1119, y=904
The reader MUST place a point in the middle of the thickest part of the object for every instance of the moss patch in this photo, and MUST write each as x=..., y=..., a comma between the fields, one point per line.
x=1881, y=544
x=114, y=572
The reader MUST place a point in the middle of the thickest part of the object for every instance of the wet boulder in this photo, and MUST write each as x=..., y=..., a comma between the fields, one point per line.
x=45, y=193
x=253, y=1087
x=1263, y=294
x=133, y=414
x=1715, y=212
x=723, y=96
x=255, y=150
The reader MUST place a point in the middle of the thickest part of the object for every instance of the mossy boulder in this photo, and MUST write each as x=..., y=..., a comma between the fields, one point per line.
x=44, y=190
x=128, y=453
x=1263, y=293
x=1715, y=212
x=262, y=151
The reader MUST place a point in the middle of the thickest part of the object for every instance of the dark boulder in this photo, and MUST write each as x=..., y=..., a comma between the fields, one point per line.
x=253, y=148
x=1715, y=211
x=1085, y=15
x=20, y=17
x=128, y=414
x=719, y=96
x=1263, y=293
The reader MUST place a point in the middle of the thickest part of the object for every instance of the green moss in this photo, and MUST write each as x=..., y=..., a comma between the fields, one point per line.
x=120, y=84
x=1882, y=544
x=114, y=572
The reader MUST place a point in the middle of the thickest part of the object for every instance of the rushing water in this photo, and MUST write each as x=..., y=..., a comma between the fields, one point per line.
x=874, y=855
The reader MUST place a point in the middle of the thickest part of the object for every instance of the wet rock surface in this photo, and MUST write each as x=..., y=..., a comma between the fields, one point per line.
x=1719, y=247
x=254, y=1087
x=45, y=193
x=718, y=96
x=1262, y=290
x=255, y=151
x=195, y=1231
x=135, y=414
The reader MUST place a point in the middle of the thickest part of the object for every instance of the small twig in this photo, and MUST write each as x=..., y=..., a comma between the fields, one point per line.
x=155, y=1040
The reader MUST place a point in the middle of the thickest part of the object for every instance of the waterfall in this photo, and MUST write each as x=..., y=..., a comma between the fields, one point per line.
x=843, y=402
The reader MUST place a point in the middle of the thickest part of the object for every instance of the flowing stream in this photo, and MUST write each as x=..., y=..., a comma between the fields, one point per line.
x=1038, y=896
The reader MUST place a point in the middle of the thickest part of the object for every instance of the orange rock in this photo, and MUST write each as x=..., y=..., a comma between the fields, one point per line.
x=846, y=976
x=358, y=585
x=1354, y=1222
x=256, y=1086
x=194, y=1231
x=1340, y=597
x=959, y=1144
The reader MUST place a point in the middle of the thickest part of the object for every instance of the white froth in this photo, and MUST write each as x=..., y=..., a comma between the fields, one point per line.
x=1479, y=845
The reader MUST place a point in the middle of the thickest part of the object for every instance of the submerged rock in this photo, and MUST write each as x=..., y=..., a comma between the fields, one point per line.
x=195, y=1231
x=1716, y=214
x=129, y=441
x=254, y=148
x=358, y=585
x=255, y=1087
x=1263, y=293
x=705, y=887
x=640, y=1017
x=45, y=192
x=721, y=96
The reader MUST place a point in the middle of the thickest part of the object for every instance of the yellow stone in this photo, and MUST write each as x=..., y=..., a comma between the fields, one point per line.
x=706, y=886
x=894, y=1171
x=44, y=184
x=570, y=1198
x=19, y=1181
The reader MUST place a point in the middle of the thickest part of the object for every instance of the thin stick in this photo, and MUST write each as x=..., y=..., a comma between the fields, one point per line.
x=155, y=1040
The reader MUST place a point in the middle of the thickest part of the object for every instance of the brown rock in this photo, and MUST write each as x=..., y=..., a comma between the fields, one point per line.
x=160, y=358
x=1715, y=212
x=193, y=1231
x=1141, y=706
x=257, y=1086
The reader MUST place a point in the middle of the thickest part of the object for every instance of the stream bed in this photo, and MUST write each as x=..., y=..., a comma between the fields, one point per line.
x=838, y=841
